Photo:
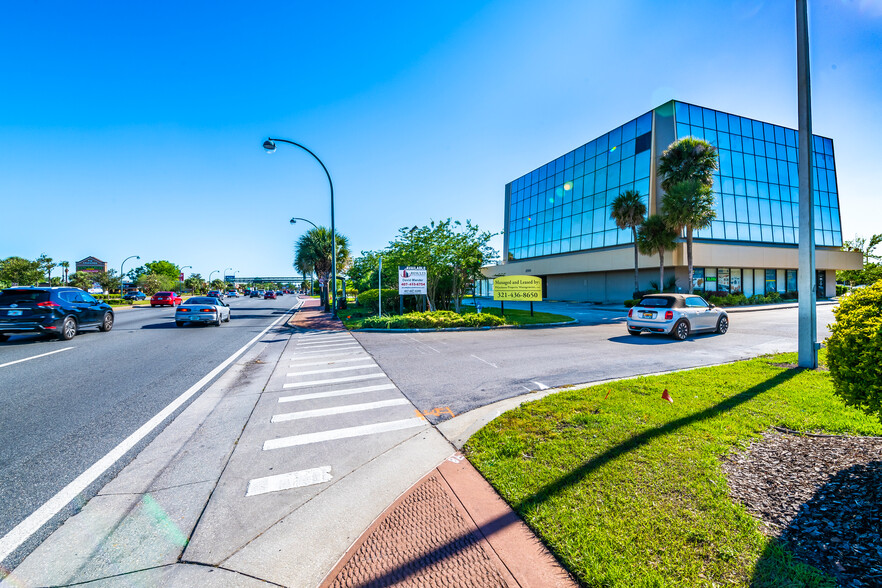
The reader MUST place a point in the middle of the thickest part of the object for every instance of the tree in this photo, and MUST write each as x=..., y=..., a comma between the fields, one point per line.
x=20, y=271
x=629, y=212
x=364, y=271
x=65, y=265
x=656, y=236
x=46, y=265
x=83, y=280
x=150, y=284
x=315, y=249
x=196, y=284
x=108, y=280
x=688, y=159
x=872, y=270
x=689, y=205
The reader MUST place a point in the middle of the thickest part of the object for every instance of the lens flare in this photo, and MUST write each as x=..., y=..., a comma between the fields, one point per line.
x=613, y=149
x=568, y=186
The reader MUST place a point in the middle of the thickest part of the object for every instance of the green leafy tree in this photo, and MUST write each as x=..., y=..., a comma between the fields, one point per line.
x=150, y=284
x=629, y=212
x=64, y=265
x=315, y=249
x=217, y=284
x=196, y=284
x=20, y=271
x=364, y=271
x=84, y=280
x=872, y=270
x=656, y=236
x=688, y=159
x=46, y=265
x=689, y=205
x=108, y=280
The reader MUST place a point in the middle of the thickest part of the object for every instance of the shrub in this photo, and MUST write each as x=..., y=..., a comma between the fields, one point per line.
x=735, y=300
x=632, y=302
x=854, y=349
x=638, y=294
x=773, y=296
x=716, y=300
x=791, y=295
x=440, y=319
x=841, y=289
x=368, y=299
x=757, y=299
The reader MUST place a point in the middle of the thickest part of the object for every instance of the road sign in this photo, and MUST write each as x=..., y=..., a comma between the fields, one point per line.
x=182, y=276
x=525, y=288
x=412, y=280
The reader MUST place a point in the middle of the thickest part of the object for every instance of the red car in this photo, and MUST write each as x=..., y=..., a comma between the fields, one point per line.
x=270, y=295
x=166, y=299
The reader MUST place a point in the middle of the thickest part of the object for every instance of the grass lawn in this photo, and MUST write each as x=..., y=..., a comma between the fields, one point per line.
x=626, y=488
x=353, y=316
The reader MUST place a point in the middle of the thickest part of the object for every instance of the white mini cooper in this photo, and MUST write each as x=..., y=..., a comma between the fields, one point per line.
x=676, y=315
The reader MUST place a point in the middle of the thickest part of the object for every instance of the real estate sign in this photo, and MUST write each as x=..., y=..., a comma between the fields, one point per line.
x=525, y=288
x=412, y=280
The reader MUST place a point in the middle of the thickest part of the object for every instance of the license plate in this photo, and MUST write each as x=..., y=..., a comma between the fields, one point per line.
x=14, y=313
x=647, y=314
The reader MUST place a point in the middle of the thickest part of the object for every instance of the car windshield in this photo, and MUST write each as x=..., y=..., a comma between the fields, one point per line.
x=201, y=300
x=656, y=302
x=23, y=297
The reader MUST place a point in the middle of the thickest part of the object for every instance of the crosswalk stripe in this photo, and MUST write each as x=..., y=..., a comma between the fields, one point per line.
x=348, y=368
x=324, y=340
x=346, y=433
x=333, y=393
x=327, y=345
x=333, y=381
x=348, y=349
x=308, y=414
x=290, y=480
x=330, y=361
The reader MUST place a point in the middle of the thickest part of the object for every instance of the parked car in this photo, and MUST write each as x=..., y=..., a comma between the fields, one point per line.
x=58, y=311
x=203, y=309
x=270, y=295
x=255, y=294
x=135, y=295
x=165, y=299
x=676, y=315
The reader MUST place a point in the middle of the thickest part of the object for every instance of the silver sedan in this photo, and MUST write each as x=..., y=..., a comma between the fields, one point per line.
x=202, y=309
x=676, y=315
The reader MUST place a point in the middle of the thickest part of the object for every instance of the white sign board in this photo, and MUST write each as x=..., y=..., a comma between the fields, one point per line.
x=412, y=280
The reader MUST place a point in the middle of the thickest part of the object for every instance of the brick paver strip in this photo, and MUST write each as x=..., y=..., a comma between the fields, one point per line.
x=312, y=317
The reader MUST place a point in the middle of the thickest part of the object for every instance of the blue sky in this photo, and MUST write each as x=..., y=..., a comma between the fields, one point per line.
x=136, y=128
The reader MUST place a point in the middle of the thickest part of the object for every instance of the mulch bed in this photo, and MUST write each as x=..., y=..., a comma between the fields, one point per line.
x=821, y=494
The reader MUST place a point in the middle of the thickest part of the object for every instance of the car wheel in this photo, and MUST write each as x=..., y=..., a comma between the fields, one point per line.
x=179, y=323
x=229, y=316
x=107, y=323
x=152, y=306
x=3, y=337
x=633, y=332
x=680, y=331
x=219, y=321
x=722, y=325
x=68, y=329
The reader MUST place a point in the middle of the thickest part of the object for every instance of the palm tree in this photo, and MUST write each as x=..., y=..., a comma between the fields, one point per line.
x=656, y=236
x=688, y=205
x=629, y=211
x=688, y=159
x=315, y=249
x=65, y=265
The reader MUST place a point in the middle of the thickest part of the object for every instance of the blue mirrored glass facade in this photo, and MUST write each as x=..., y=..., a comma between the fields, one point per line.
x=757, y=187
x=564, y=206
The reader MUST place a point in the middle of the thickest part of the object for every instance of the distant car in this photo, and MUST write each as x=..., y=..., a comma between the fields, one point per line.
x=270, y=295
x=676, y=315
x=279, y=293
x=215, y=294
x=165, y=299
x=233, y=293
x=255, y=294
x=203, y=309
x=135, y=296
x=59, y=311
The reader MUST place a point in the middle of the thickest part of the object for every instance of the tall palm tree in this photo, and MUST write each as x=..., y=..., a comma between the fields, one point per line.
x=688, y=159
x=688, y=205
x=315, y=249
x=629, y=211
x=64, y=265
x=656, y=236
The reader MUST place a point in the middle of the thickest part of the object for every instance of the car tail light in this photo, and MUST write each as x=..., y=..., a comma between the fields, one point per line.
x=631, y=313
x=206, y=310
x=183, y=310
x=47, y=303
x=669, y=315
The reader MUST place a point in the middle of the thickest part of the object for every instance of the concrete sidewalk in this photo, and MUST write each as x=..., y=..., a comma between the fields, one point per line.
x=212, y=502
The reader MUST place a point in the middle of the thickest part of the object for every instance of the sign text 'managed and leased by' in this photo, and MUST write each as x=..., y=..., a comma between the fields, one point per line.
x=526, y=288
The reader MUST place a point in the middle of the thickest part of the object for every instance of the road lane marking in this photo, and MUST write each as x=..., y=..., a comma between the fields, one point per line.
x=485, y=361
x=333, y=393
x=288, y=481
x=308, y=414
x=329, y=362
x=541, y=385
x=339, y=369
x=3, y=365
x=333, y=381
x=30, y=525
x=347, y=433
x=418, y=342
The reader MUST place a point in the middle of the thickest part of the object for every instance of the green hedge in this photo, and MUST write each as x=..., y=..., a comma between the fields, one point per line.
x=440, y=319
x=368, y=299
x=854, y=349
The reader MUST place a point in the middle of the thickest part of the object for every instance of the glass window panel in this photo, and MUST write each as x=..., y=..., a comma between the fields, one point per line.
x=734, y=124
x=725, y=161
x=767, y=234
x=682, y=130
x=629, y=130
x=710, y=118
x=579, y=170
x=737, y=165
x=555, y=247
x=602, y=159
x=743, y=232
x=735, y=140
x=830, y=164
x=831, y=180
x=776, y=211
x=585, y=242
x=602, y=143
x=782, y=172
x=697, y=132
x=761, y=172
x=753, y=210
x=615, y=137
x=597, y=240
x=728, y=208
x=740, y=187
x=559, y=164
x=794, y=174
x=731, y=231
x=642, y=165
x=570, y=159
x=627, y=171
x=559, y=178
x=577, y=205
x=741, y=209
x=794, y=214
x=777, y=235
x=757, y=129
x=600, y=180
x=756, y=233
x=763, y=189
x=749, y=167
x=759, y=148
x=568, y=175
x=644, y=124
x=711, y=137
x=722, y=121
x=779, y=135
x=773, y=171
x=598, y=220
x=724, y=140
x=791, y=137
x=564, y=228
x=751, y=188
x=628, y=149
x=746, y=127
x=580, y=154
x=610, y=237
x=681, y=112
x=543, y=172
x=728, y=185
x=717, y=230
x=765, y=212
x=791, y=154
x=747, y=146
x=612, y=175
x=695, y=118
x=642, y=186
x=614, y=154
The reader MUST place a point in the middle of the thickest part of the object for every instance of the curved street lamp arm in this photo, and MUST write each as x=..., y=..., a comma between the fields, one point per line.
x=297, y=218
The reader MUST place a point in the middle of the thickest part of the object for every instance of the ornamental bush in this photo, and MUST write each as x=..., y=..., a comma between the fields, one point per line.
x=440, y=319
x=368, y=299
x=854, y=349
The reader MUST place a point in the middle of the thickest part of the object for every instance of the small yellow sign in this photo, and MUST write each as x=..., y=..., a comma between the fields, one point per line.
x=524, y=288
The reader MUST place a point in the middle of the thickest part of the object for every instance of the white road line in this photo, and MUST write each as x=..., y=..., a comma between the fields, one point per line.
x=541, y=385
x=330, y=361
x=324, y=345
x=3, y=365
x=348, y=349
x=21, y=532
x=308, y=414
x=323, y=335
x=333, y=381
x=288, y=481
x=346, y=433
x=324, y=340
x=418, y=342
x=485, y=361
x=334, y=393
x=339, y=369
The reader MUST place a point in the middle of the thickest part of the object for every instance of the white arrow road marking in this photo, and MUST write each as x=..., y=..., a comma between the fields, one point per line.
x=290, y=480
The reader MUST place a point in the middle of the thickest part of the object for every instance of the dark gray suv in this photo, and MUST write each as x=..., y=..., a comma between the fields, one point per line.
x=56, y=311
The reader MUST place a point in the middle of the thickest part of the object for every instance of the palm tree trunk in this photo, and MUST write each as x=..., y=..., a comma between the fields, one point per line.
x=636, y=282
x=661, y=270
x=689, y=256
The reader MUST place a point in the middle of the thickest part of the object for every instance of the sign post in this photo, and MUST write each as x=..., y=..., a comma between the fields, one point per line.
x=519, y=288
x=412, y=281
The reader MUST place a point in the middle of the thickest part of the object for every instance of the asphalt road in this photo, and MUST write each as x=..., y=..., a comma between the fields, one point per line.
x=464, y=370
x=63, y=411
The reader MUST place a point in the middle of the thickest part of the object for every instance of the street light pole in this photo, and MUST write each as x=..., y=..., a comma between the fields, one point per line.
x=225, y=274
x=270, y=146
x=209, y=277
x=121, y=270
x=302, y=271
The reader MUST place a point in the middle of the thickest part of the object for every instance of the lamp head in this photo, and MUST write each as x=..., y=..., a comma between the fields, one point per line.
x=269, y=145
x=293, y=221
